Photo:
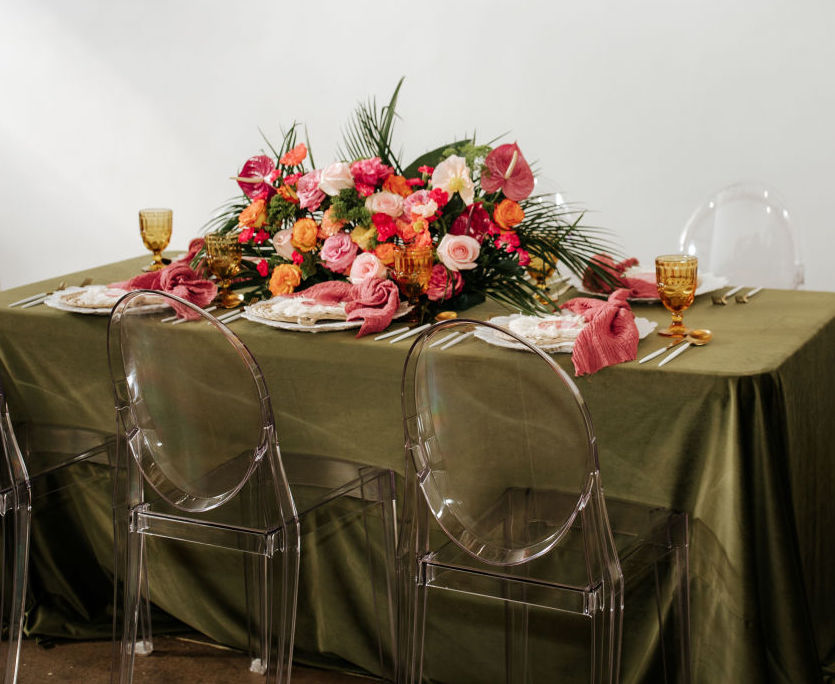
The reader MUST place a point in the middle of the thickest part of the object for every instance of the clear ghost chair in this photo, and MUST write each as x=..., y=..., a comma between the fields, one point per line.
x=744, y=232
x=33, y=458
x=503, y=499
x=198, y=461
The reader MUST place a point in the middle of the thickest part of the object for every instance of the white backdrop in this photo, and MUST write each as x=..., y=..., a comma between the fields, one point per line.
x=639, y=109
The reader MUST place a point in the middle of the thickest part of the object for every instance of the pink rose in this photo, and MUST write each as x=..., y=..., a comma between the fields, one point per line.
x=310, y=196
x=366, y=266
x=281, y=242
x=338, y=252
x=458, y=252
x=336, y=177
x=444, y=284
x=385, y=203
x=420, y=204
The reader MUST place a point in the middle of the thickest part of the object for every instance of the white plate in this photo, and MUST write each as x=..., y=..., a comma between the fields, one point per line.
x=645, y=327
x=324, y=326
x=708, y=282
x=102, y=299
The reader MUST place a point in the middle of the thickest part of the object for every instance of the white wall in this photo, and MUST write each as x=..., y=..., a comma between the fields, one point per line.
x=639, y=109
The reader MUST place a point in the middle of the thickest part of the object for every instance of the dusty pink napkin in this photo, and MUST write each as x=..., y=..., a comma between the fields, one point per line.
x=640, y=286
x=374, y=300
x=179, y=279
x=610, y=335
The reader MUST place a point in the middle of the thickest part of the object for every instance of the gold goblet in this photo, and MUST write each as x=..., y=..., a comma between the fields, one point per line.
x=412, y=270
x=155, y=228
x=676, y=276
x=223, y=254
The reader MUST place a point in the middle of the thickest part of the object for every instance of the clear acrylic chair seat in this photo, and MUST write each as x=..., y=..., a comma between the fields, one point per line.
x=33, y=457
x=199, y=462
x=744, y=232
x=503, y=500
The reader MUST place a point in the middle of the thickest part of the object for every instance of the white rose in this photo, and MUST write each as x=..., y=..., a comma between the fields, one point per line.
x=336, y=177
x=458, y=252
x=385, y=203
x=366, y=266
x=281, y=242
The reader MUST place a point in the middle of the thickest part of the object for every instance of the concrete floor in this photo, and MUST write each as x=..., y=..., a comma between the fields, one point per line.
x=175, y=660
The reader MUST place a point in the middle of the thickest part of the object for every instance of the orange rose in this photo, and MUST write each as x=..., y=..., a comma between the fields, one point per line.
x=397, y=185
x=508, y=214
x=288, y=193
x=285, y=279
x=330, y=225
x=305, y=231
x=255, y=215
x=385, y=253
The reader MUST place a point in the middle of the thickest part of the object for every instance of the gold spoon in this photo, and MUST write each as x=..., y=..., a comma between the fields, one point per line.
x=696, y=338
x=693, y=337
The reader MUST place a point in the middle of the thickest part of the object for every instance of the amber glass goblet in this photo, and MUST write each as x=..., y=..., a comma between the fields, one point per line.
x=155, y=228
x=676, y=276
x=223, y=254
x=412, y=270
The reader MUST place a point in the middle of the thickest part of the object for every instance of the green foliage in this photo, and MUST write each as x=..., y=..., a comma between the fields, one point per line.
x=280, y=212
x=370, y=132
x=348, y=206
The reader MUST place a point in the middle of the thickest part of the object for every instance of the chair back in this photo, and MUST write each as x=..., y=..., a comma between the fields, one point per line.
x=744, y=233
x=482, y=426
x=192, y=402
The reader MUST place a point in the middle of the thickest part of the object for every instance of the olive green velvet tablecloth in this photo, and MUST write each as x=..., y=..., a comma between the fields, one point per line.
x=740, y=434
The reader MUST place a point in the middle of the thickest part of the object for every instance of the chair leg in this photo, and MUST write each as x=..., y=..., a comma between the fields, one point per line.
x=281, y=582
x=20, y=553
x=381, y=489
x=145, y=642
x=516, y=641
x=123, y=665
x=411, y=627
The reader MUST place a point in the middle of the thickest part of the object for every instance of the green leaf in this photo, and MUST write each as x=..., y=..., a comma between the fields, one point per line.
x=432, y=158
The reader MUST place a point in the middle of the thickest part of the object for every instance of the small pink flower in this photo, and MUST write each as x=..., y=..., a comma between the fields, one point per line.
x=366, y=266
x=444, y=284
x=246, y=235
x=426, y=169
x=261, y=236
x=297, y=258
x=263, y=268
x=370, y=171
x=524, y=257
x=282, y=245
x=420, y=204
x=338, y=252
x=292, y=179
x=310, y=196
x=458, y=252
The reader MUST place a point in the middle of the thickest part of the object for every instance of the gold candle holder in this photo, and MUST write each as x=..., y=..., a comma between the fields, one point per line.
x=676, y=276
x=412, y=270
x=155, y=228
x=223, y=256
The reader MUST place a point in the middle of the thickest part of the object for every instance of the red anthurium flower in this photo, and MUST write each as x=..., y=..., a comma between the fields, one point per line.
x=506, y=170
x=255, y=176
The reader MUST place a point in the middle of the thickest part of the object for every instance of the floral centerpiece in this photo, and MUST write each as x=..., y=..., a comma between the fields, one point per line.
x=472, y=208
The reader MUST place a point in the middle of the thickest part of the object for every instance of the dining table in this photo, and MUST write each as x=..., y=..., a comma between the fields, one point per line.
x=739, y=434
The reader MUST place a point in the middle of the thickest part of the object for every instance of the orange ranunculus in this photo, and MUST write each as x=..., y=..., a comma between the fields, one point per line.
x=385, y=253
x=330, y=225
x=288, y=193
x=397, y=185
x=305, y=232
x=295, y=156
x=285, y=279
x=423, y=239
x=255, y=215
x=508, y=214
